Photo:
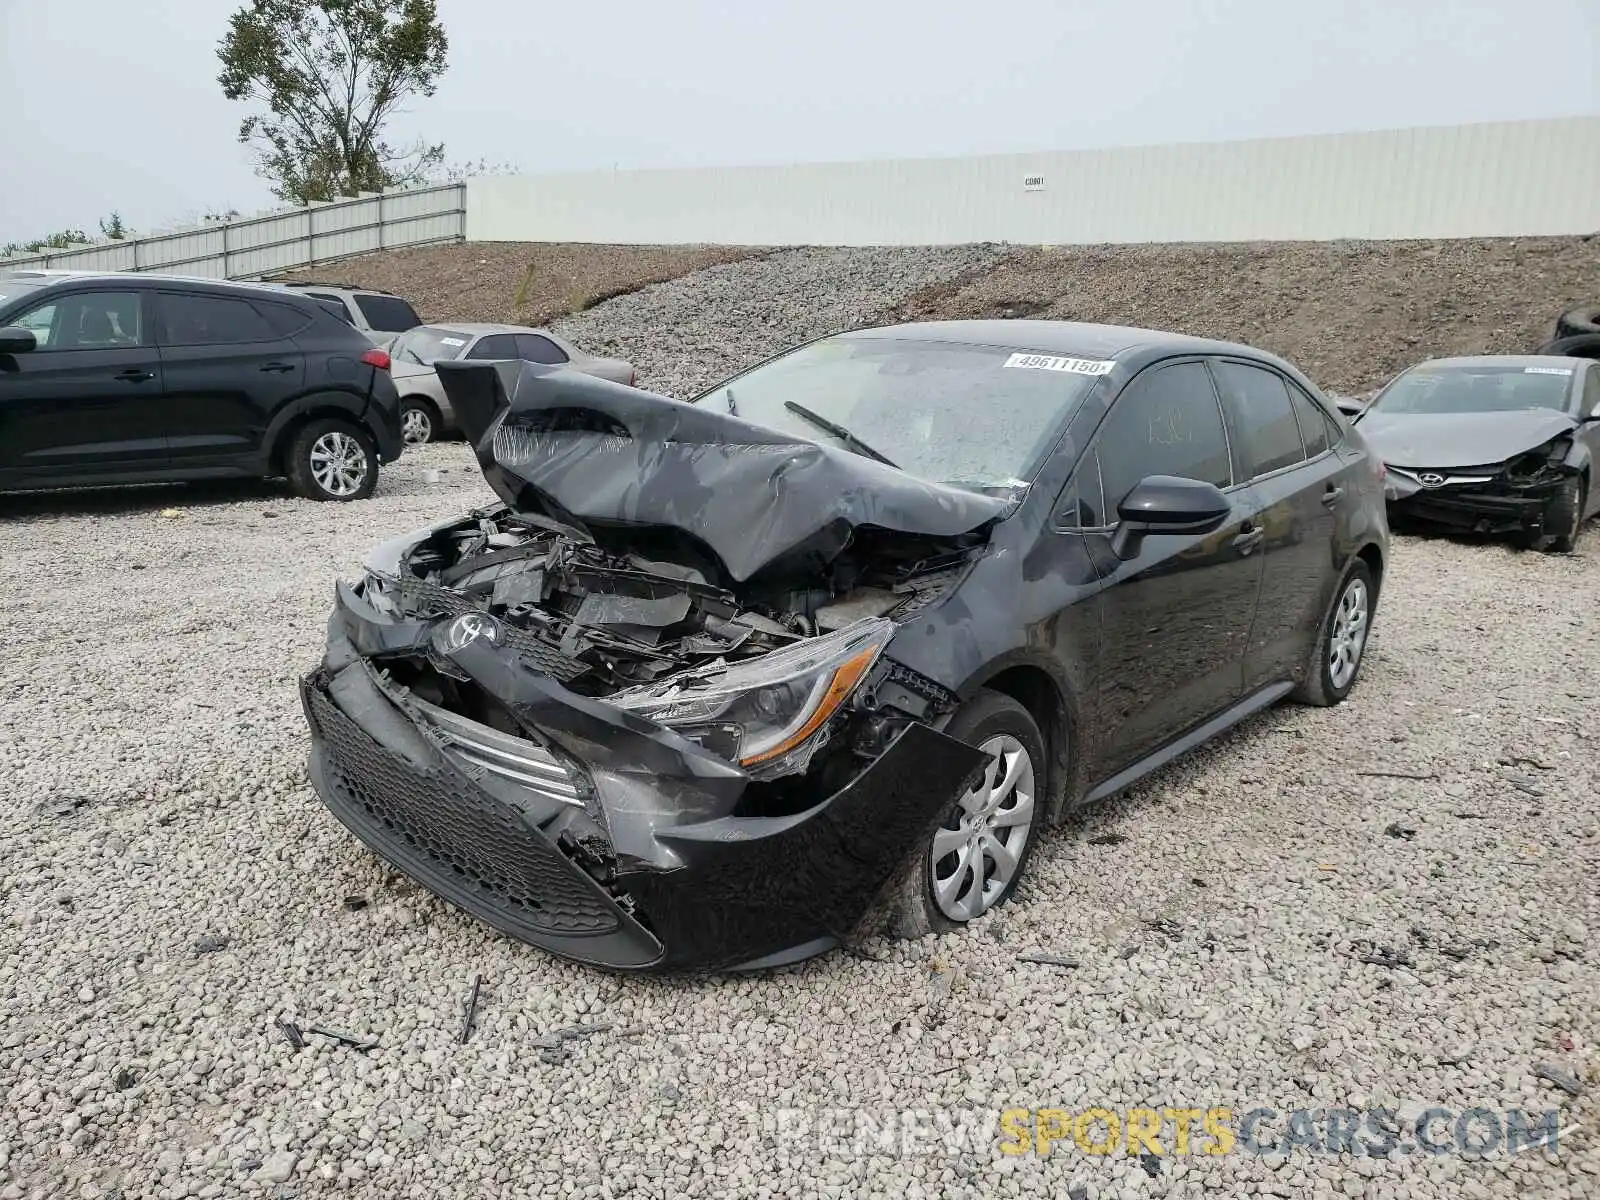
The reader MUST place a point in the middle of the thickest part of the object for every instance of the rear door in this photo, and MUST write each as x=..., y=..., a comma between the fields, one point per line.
x=228, y=368
x=1281, y=439
x=1175, y=618
x=87, y=400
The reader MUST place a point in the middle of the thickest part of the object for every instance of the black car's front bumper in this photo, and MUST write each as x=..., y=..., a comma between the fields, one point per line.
x=626, y=847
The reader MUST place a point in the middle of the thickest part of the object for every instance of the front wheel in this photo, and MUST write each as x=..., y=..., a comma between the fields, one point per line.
x=1341, y=641
x=1563, y=520
x=973, y=862
x=332, y=459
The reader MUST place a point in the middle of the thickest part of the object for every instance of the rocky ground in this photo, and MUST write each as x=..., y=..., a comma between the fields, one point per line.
x=1390, y=904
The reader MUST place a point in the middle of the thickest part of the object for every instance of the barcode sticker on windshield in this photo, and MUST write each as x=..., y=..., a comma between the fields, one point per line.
x=454, y=341
x=1547, y=370
x=1050, y=362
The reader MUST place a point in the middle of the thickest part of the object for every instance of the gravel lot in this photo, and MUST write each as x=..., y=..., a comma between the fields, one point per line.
x=171, y=886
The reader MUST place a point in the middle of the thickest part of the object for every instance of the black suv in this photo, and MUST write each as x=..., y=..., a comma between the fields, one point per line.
x=111, y=379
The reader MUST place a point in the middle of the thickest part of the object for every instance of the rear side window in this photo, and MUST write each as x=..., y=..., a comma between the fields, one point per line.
x=539, y=349
x=196, y=320
x=1166, y=422
x=496, y=345
x=284, y=319
x=1313, y=421
x=1269, y=436
x=387, y=314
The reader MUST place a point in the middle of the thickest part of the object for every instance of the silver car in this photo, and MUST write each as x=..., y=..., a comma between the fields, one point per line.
x=425, y=411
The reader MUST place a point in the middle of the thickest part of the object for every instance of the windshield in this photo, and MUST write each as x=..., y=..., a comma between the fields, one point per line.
x=975, y=416
x=1477, y=389
x=427, y=345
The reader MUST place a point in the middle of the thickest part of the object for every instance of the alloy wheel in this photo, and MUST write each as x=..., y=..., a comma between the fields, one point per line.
x=1349, y=636
x=977, y=852
x=338, y=463
x=416, y=426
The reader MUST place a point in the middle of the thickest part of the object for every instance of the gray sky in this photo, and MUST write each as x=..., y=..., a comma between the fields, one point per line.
x=113, y=105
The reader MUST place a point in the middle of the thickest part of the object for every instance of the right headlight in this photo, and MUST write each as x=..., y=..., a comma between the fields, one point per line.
x=767, y=713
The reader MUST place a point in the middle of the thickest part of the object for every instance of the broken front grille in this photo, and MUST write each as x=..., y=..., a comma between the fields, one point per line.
x=452, y=835
x=422, y=599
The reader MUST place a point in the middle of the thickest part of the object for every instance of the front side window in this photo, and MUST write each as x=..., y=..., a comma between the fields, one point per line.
x=1166, y=422
x=87, y=321
x=387, y=314
x=1476, y=389
x=1264, y=419
x=980, y=417
x=199, y=320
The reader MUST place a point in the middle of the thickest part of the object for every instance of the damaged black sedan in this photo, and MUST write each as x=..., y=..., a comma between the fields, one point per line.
x=719, y=684
x=1498, y=444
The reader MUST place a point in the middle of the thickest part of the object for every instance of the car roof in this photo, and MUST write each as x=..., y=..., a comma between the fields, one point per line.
x=1500, y=360
x=479, y=328
x=225, y=286
x=1078, y=339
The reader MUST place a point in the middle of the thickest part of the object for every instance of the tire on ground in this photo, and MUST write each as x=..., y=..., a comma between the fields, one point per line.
x=1575, y=321
x=303, y=478
x=425, y=406
x=1563, y=520
x=909, y=910
x=1319, y=688
x=1578, y=345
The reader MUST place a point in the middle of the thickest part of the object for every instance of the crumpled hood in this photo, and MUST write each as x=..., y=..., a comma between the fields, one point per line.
x=592, y=453
x=1459, y=439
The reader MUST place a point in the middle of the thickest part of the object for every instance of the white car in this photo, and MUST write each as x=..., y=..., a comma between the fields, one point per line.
x=425, y=412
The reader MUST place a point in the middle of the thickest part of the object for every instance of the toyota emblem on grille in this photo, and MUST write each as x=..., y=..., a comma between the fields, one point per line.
x=1426, y=479
x=466, y=629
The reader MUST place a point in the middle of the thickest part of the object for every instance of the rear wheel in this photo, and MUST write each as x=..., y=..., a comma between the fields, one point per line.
x=419, y=421
x=973, y=862
x=1342, y=640
x=331, y=459
x=1563, y=520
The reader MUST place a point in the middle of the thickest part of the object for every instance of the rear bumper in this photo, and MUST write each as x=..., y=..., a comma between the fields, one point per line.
x=639, y=858
x=383, y=417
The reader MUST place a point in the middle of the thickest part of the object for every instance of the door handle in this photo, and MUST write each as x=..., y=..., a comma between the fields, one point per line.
x=1332, y=495
x=133, y=375
x=278, y=368
x=1248, y=539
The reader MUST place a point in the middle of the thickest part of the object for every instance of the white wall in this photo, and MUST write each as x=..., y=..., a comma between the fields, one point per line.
x=1504, y=179
x=253, y=246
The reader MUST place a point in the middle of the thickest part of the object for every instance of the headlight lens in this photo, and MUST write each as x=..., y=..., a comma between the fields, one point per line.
x=766, y=709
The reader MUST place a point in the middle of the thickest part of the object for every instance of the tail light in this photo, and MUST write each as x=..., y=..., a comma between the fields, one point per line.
x=377, y=358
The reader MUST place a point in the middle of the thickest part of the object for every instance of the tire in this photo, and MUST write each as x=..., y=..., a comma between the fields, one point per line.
x=419, y=421
x=316, y=477
x=1329, y=679
x=915, y=908
x=1563, y=520
x=1576, y=321
x=1578, y=345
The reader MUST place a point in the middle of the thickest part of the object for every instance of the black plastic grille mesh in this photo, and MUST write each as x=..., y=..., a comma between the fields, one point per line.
x=427, y=599
x=480, y=849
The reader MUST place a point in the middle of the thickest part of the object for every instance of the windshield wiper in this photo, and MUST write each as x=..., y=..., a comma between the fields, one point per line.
x=838, y=431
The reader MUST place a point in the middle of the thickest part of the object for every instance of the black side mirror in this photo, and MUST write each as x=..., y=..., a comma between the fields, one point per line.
x=1167, y=504
x=16, y=340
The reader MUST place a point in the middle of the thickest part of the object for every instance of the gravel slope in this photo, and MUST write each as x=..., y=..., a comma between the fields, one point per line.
x=519, y=283
x=688, y=334
x=1350, y=314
